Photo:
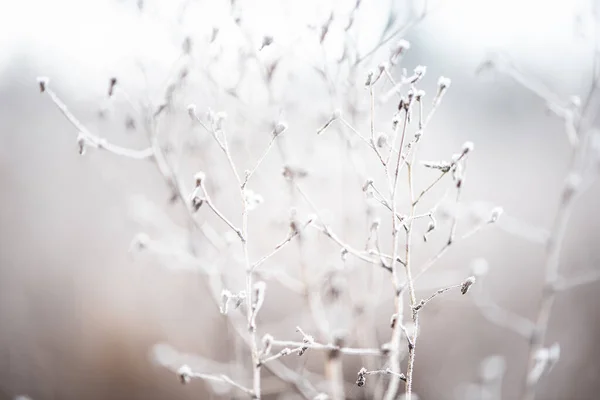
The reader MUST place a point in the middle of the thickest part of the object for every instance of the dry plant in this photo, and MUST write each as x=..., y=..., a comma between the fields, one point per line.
x=395, y=155
x=579, y=118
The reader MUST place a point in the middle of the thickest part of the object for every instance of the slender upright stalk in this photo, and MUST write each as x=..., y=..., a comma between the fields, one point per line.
x=411, y=289
x=394, y=360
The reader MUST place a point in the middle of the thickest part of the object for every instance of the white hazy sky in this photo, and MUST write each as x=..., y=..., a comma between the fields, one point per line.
x=94, y=36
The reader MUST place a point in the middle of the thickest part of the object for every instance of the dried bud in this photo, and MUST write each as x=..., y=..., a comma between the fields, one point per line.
x=239, y=299
x=344, y=254
x=267, y=41
x=362, y=378
x=457, y=175
x=382, y=140
x=398, y=50
x=375, y=224
x=393, y=320
x=111, y=86
x=185, y=374
x=216, y=119
x=43, y=82
x=467, y=147
x=487, y=64
x=464, y=288
x=219, y=118
x=430, y=227
x=403, y=104
x=214, y=33
x=337, y=113
x=225, y=297
x=395, y=121
x=308, y=339
x=339, y=338
x=192, y=111
x=495, y=214
x=419, y=95
x=384, y=66
x=303, y=349
x=285, y=352
x=259, y=295
x=130, y=123
x=267, y=342
x=139, y=242
x=81, y=143
x=419, y=72
x=197, y=202
x=443, y=83
x=370, y=76
x=291, y=173
x=443, y=166
x=402, y=45
x=186, y=45
x=279, y=128
x=199, y=178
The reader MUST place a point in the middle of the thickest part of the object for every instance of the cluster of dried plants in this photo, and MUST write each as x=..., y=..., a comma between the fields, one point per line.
x=393, y=222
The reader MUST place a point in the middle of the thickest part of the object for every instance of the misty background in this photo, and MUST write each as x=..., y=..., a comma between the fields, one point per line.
x=82, y=310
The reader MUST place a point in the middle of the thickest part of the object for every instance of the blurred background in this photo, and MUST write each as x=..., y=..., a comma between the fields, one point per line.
x=99, y=296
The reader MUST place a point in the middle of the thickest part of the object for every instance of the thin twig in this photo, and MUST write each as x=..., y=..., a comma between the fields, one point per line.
x=289, y=238
x=187, y=374
x=94, y=140
x=330, y=234
x=318, y=346
x=326, y=230
x=424, y=302
x=439, y=178
x=363, y=373
x=205, y=197
x=278, y=130
x=371, y=143
x=258, y=162
x=284, y=352
x=223, y=145
x=411, y=290
x=394, y=359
